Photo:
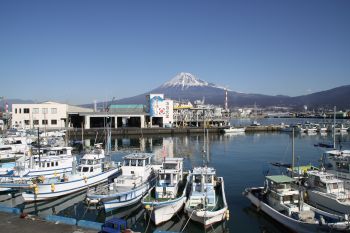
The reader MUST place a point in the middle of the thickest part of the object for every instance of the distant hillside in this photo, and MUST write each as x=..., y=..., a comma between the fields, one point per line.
x=185, y=86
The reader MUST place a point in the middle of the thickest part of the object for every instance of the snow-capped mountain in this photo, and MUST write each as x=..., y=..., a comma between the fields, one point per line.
x=185, y=86
x=187, y=80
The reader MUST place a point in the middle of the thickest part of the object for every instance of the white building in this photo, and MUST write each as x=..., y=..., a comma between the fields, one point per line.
x=50, y=115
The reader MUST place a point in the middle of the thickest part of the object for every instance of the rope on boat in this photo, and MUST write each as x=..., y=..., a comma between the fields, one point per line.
x=187, y=221
x=149, y=220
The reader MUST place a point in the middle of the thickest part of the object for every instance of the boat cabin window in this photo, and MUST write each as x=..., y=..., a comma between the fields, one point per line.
x=208, y=178
x=90, y=162
x=48, y=165
x=133, y=162
x=56, y=163
x=344, y=167
x=291, y=198
x=126, y=162
x=197, y=178
x=169, y=166
x=6, y=148
x=140, y=162
x=320, y=184
x=85, y=169
x=52, y=164
x=91, y=169
x=148, y=161
x=165, y=176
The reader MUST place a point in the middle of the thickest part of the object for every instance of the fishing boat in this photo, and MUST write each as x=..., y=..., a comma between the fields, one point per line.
x=326, y=192
x=7, y=153
x=91, y=171
x=169, y=195
x=207, y=202
x=281, y=199
x=137, y=178
x=337, y=163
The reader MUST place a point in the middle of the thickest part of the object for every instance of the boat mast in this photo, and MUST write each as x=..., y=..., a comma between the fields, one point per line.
x=39, y=147
x=292, y=153
x=335, y=108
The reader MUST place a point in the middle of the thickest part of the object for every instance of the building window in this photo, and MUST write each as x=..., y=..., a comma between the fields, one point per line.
x=53, y=110
x=44, y=122
x=35, y=122
x=16, y=110
x=26, y=122
x=53, y=122
x=44, y=111
x=35, y=110
x=25, y=110
x=20, y=110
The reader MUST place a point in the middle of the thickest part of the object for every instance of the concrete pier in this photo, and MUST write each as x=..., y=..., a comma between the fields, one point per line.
x=13, y=223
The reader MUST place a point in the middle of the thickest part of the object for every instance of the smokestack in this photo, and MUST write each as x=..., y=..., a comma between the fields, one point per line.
x=95, y=106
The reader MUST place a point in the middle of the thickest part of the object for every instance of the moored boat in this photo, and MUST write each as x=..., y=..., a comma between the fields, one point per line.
x=326, y=192
x=169, y=195
x=281, y=200
x=137, y=178
x=207, y=201
x=91, y=171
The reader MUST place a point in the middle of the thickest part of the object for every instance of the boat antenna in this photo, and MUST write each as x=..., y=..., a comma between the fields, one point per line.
x=292, y=152
x=334, y=117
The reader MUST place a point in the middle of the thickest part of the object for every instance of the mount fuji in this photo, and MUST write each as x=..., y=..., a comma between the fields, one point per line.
x=185, y=86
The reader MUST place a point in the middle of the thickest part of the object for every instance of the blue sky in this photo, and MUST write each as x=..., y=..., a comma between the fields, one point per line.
x=80, y=51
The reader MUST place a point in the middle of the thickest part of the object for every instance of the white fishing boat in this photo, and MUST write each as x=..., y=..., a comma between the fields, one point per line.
x=207, y=202
x=233, y=129
x=169, y=195
x=51, y=161
x=137, y=178
x=91, y=171
x=281, y=200
x=7, y=153
x=326, y=192
x=337, y=163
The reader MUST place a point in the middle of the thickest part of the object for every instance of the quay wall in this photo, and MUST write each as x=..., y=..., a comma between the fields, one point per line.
x=157, y=131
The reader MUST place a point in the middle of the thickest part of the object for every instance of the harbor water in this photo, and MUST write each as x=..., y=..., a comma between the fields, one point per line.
x=241, y=159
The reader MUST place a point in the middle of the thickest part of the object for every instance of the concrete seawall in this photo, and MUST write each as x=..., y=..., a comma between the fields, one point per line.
x=157, y=131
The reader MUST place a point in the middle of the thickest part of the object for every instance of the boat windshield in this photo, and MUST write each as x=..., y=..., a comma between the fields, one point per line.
x=283, y=186
x=291, y=198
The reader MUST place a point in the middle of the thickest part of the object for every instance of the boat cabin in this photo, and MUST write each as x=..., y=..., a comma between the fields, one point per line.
x=203, y=183
x=169, y=177
x=281, y=193
x=338, y=162
x=91, y=164
x=325, y=182
x=136, y=168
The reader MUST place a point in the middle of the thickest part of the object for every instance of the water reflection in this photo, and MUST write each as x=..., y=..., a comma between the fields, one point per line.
x=241, y=159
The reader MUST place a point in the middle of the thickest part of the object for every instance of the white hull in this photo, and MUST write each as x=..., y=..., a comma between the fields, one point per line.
x=119, y=200
x=320, y=200
x=63, y=188
x=206, y=217
x=292, y=224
